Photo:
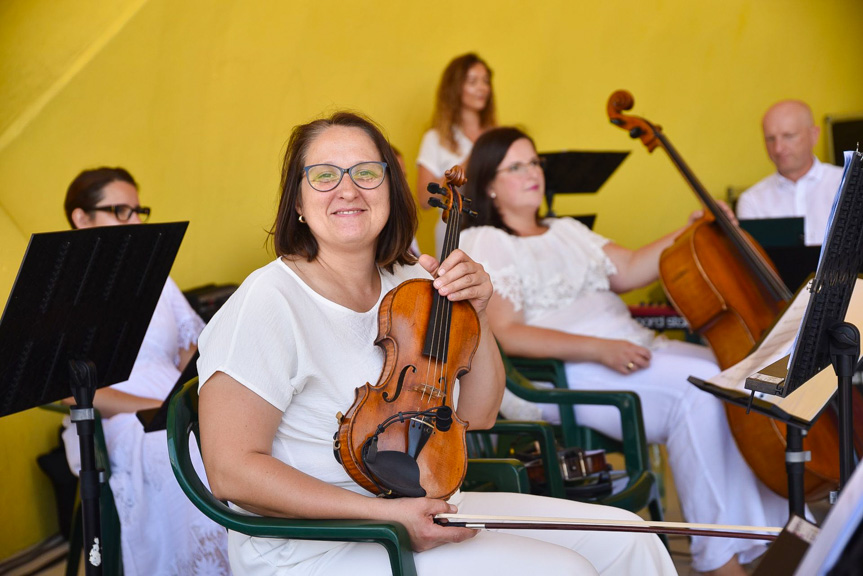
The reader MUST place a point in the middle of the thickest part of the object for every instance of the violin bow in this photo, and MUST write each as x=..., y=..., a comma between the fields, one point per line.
x=544, y=523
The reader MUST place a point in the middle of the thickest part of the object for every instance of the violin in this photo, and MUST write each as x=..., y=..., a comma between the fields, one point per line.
x=402, y=437
x=723, y=283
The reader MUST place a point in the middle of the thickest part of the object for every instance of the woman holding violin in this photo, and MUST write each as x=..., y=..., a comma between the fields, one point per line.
x=285, y=354
x=556, y=284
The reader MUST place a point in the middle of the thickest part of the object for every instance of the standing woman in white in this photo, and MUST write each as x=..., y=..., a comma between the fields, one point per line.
x=464, y=109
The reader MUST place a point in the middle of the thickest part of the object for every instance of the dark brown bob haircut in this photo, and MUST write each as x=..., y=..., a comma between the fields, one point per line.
x=485, y=158
x=87, y=189
x=294, y=238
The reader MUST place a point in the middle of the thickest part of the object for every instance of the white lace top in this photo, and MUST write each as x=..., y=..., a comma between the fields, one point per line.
x=559, y=279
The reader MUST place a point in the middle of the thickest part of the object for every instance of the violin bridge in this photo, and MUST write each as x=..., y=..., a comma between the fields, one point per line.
x=432, y=391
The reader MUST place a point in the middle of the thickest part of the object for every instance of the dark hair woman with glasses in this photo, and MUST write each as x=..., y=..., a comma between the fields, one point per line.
x=285, y=354
x=103, y=197
x=161, y=530
x=556, y=295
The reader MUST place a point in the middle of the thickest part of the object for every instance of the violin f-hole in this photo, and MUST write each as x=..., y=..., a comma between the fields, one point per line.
x=400, y=384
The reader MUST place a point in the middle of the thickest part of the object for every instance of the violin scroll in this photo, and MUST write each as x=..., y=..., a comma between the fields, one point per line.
x=455, y=176
x=636, y=126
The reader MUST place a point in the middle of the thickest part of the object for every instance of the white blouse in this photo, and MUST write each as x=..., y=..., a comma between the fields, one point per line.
x=559, y=279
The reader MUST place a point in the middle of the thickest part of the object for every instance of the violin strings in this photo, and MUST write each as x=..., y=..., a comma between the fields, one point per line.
x=443, y=312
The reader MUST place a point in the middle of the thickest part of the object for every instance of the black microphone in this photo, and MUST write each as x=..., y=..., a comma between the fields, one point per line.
x=443, y=419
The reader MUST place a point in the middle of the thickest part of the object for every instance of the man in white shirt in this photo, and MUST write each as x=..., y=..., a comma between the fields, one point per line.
x=801, y=185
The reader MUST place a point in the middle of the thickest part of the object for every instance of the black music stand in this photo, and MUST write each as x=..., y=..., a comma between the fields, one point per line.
x=78, y=312
x=783, y=241
x=823, y=337
x=577, y=172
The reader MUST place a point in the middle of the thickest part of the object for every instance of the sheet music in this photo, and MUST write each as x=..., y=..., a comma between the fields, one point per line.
x=844, y=518
x=778, y=343
x=808, y=400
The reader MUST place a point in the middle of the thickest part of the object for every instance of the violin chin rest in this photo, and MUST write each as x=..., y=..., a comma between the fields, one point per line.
x=398, y=472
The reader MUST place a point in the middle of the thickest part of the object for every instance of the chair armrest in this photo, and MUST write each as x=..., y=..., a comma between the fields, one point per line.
x=634, y=438
x=506, y=474
x=543, y=434
x=182, y=417
x=56, y=407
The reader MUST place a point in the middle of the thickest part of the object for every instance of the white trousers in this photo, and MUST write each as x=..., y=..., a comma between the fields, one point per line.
x=498, y=553
x=714, y=483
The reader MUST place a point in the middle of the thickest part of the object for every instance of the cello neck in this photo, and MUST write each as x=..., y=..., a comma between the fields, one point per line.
x=768, y=276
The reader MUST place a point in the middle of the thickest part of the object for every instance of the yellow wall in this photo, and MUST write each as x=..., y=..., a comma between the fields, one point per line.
x=197, y=99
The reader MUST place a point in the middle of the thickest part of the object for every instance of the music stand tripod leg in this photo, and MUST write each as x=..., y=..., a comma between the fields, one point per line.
x=83, y=375
x=795, y=464
x=844, y=354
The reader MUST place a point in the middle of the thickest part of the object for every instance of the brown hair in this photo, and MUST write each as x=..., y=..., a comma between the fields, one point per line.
x=86, y=190
x=486, y=156
x=292, y=237
x=447, y=112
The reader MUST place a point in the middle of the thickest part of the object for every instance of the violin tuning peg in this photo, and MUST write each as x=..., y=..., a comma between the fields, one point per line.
x=437, y=203
x=466, y=200
x=469, y=212
x=434, y=188
x=635, y=132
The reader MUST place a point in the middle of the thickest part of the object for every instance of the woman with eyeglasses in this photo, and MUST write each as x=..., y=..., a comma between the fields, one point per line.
x=161, y=530
x=464, y=109
x=556, y=295
x=285, y=354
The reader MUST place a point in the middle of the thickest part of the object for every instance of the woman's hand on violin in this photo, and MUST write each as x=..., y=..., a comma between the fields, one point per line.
x=726, y=209
x=622, y=356
x=417, y=516
x=460, y=278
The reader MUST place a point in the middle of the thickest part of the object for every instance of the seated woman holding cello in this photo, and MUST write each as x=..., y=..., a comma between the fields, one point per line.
x=285, y=354
x=556, y=284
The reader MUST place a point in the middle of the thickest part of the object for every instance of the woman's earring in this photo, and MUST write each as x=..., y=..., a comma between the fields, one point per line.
x=492, y=195
x=301, y=219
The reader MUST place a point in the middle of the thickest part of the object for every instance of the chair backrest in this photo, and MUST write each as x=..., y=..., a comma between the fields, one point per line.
x=183, y=422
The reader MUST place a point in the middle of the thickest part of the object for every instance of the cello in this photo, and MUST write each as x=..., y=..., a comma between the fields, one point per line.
x=723, y=283
x=402, y=437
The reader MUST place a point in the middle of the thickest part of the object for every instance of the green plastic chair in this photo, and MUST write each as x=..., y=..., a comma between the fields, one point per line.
x=641, y=488
x=482, y=474
x=109, y=522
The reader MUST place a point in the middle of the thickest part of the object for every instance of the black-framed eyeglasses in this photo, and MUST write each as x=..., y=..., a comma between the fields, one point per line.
x=521, y=168
x=123, y=212
x=366, y=175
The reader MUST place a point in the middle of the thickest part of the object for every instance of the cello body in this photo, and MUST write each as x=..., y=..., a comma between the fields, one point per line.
x=703, y=277
x=725, y=286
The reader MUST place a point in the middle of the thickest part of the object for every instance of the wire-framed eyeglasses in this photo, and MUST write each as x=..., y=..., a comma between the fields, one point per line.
x=366, y=175
x=522, y=168
x=123, y=212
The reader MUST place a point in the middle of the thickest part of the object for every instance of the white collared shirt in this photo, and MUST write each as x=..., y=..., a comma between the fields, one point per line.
x=811, y=197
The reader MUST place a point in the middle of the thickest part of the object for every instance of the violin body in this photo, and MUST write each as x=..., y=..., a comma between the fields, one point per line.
x=405, y=384
x=402, y=436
